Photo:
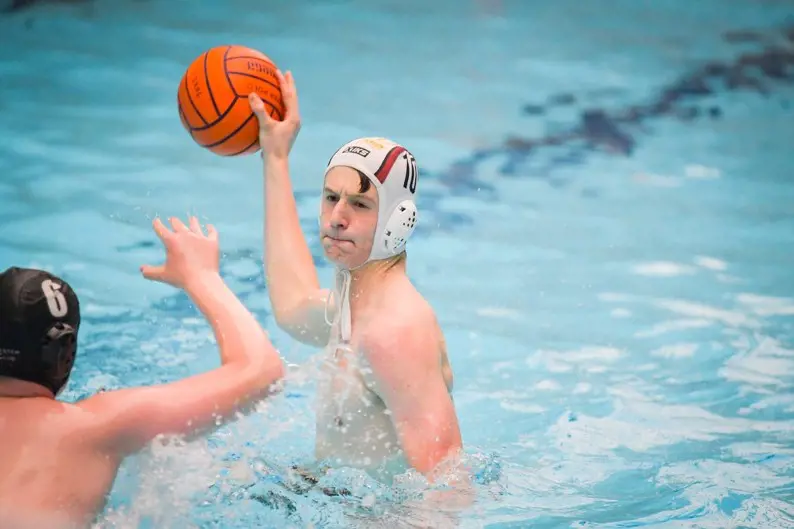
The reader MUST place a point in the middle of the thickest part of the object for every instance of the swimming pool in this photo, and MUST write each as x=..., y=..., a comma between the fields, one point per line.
x=606, y=233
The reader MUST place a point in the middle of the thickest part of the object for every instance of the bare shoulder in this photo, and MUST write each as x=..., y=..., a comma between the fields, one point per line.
x=404, y=324
x=104, y=414
x=66, y=424
x=403, y=307
x=92, y=412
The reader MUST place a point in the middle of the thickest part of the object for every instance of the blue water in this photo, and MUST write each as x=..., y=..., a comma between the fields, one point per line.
x=616, y=286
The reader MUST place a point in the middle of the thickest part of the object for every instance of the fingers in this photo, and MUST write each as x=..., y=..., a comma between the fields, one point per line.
x=257, y=105
x=160, y=229
x=178, y=225
x=258, y=108
x=289, y=94
x=195, y=226
x=212, y=233
x=283, y=83
x=154, y=273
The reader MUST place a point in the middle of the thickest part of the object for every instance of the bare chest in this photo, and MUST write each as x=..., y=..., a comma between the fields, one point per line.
x=353, y=424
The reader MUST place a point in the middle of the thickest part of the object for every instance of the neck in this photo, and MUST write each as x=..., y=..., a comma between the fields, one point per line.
x=371, y=273
x=20, y=389
x=353, y=285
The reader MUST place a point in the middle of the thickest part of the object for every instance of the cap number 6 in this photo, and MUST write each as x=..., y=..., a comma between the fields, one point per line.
x=55, y=300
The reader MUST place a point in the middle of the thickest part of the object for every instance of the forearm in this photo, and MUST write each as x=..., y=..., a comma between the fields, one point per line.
x=289, y=268
x=240, y=337
x=128, y=419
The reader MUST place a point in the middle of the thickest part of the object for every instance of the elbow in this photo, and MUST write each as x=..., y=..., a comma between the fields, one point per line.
x=286, y=320
x=297, y=313
x=433, y=454
x=437, y=461
x=276, y=372
x=268, y=371
x=280, y=316
x=315, y=335
x=256, y=377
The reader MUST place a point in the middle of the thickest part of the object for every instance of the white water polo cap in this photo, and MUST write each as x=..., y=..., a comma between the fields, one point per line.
x=392, y=170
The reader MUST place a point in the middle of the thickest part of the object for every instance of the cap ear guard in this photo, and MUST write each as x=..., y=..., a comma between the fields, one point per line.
x=58, y=351
x=399, y=226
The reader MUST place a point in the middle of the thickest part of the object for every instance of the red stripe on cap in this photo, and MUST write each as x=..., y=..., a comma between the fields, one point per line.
x=388, y=162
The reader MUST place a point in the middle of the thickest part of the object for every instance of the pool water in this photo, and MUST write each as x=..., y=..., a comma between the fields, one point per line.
x=606, y=230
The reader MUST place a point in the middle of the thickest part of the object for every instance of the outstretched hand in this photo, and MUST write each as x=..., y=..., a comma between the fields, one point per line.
x=190, y=254
x=277, y=137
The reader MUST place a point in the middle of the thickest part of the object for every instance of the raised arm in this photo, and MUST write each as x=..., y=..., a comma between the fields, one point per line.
x=296, y=297
x=292, y=283
x=128, y=419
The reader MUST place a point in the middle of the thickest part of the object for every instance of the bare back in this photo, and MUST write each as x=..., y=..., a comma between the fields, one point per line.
x=51, y=473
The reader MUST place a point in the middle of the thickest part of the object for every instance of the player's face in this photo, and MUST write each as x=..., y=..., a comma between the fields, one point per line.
x=349, y=217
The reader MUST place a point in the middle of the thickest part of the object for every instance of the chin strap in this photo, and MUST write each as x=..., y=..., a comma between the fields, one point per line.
x=342, y=294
